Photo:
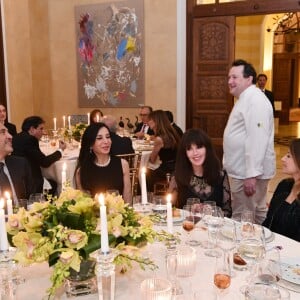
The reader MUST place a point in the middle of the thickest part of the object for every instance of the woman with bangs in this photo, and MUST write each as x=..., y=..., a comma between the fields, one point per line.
x=283, y=216
x=166, y=141
x=198, y=172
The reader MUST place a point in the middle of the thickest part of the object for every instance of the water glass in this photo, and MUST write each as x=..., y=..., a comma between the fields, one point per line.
x=247, y=220
x=37, y=197
x=262, y=292
x=186, y=261
x=156, y=289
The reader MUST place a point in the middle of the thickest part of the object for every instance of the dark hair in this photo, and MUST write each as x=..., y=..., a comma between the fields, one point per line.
x=164, y=129
x=33, y=121
x=87, y=141
x=170, y=116
x=183, y=167
x=148, y=107
x=248, y=69
x=295, y=151
x=262, y=75
x=94, y=113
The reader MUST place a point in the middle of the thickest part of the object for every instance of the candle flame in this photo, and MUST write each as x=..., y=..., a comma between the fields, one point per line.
x=7, y=195
x=1, y=203
x=101, y=199
x=169, y=197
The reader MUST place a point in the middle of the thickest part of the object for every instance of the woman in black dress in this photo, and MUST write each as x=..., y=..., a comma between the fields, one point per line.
x=97, y=171
x=283, y=216
x=198, y=172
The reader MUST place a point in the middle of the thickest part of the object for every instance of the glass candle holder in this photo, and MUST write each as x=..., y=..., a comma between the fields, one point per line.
x=156, y=289
x=186, y=261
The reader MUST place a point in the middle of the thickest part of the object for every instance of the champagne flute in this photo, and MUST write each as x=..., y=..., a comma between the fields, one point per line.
x=222, y=278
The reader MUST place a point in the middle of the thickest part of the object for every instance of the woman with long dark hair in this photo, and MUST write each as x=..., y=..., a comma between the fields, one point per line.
x=198, y=172
x=283, y=216
x=97, y=171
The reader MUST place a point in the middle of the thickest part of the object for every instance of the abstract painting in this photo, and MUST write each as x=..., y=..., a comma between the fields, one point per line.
x=110, y=54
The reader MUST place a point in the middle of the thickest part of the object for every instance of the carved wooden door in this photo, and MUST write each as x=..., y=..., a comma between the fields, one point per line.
x=212, y=56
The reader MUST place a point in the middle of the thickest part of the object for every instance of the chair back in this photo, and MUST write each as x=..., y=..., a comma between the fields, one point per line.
x=134, y=161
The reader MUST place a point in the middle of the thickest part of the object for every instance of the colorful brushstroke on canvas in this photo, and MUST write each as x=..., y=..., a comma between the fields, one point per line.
x=110, y=54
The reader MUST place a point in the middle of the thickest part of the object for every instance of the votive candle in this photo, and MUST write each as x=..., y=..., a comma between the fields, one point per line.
x=64, y=175
x=144, y=186
x=104, y=232
x=54, y=121
x=8, y=203
x=169, y=214
x=3, y=233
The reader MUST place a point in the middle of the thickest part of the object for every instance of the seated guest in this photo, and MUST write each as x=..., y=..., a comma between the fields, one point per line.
x=198, y=172
x=175, y=126
x=15, y=174
x=3, y=120
x=166, y=141
x=283, y=216
x=26, y=144
x=120, y=145
x=143, y=127
x=97, y=171
x=95, y=116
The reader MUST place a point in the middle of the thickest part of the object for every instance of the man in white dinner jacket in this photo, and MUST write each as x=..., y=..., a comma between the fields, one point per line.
x=248, y=143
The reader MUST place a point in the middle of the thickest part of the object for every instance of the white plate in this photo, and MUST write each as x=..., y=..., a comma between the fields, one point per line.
x=290, y=268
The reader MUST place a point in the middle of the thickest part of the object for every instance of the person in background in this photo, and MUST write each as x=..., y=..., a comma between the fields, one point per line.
x=198, y=172
x=97, y=171
x=3, y=120
x=165, y=147
x=26, y=144
x=261, y=83
x=16, y=178
x=248, y=143
x=283, y=216
x=175, y=126
x=120, y=145
x=95, y=116
x=143, y=127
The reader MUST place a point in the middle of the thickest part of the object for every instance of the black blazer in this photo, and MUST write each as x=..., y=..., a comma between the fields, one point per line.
x=120, y=145
x=11, y=128
x=27, y=146
x=270, y=96
x=139, y=127
x=20, y=173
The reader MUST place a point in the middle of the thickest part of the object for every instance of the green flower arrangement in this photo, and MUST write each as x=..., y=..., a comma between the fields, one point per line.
x=76, y=131
x=64, y=231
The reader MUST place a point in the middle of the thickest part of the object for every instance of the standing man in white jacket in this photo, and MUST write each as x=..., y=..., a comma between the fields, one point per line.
x=249, y=156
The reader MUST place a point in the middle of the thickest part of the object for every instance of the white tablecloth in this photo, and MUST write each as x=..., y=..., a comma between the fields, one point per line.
x=128, y=285
x=69, y=157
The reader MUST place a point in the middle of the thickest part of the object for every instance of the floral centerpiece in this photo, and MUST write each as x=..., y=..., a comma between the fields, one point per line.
x=65, y=231
x=76, y=131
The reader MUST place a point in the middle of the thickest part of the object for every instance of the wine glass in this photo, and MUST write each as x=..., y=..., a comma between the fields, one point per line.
x=214, y=222
x=188, y=224
x=247, y=220
x=171, y=264
x=222, y=278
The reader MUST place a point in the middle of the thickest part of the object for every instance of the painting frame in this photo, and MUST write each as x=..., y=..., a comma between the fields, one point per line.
x=110, y=54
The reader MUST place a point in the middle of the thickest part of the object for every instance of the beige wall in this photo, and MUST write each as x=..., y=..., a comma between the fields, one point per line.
x=41, y=58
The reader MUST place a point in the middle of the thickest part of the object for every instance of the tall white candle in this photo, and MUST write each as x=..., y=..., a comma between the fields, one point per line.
x=3, y=233
x=8, y=203
x=104, y=232
x=69, y=122
x=144, y=186
x=64, y=121
x=97, y=118
x=88, y=115
x=169, y=214
x=54, y=121
x=64, y=176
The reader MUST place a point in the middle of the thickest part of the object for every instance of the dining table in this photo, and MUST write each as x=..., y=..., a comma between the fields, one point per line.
x=127, y=285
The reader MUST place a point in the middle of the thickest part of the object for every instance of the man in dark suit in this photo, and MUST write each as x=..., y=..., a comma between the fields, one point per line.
x=16, y=170
x=26, y=144
x=175, y=126
x=143, y=127
x=119, y=145
x=261, y=83
x=3, y=119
